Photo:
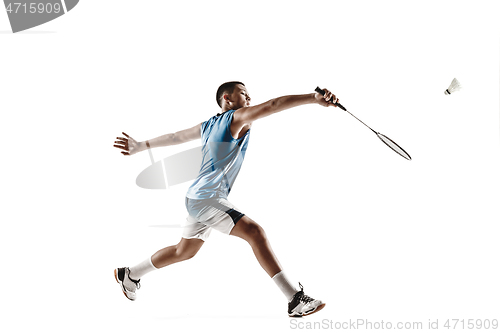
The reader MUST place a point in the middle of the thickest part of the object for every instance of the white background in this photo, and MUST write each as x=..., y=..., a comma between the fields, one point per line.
x=375, y=236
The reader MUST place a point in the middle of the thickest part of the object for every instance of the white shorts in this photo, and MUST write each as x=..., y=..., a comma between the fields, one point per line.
x=216, y=213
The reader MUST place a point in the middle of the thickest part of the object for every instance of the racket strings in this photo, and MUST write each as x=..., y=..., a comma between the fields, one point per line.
x=394, y=146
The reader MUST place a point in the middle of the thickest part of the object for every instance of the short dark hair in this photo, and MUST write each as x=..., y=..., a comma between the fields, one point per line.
x=226, y=88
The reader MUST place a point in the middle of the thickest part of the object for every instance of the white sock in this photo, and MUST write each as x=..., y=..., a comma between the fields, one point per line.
x=285, y=286
x=142, y=268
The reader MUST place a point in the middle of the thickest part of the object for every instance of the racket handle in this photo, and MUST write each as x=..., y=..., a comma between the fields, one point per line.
x=322, y=92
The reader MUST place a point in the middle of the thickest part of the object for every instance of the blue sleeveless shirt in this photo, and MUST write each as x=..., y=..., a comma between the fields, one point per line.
x=222, y=157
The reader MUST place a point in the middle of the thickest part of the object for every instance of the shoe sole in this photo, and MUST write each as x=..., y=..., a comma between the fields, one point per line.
x=317, y=309
x=116, y=278
x=321, y=306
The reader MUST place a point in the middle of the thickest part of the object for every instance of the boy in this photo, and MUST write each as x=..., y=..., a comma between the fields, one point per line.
x=225, y=138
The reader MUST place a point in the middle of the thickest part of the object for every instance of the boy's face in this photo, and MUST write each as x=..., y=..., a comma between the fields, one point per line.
x=239, y=98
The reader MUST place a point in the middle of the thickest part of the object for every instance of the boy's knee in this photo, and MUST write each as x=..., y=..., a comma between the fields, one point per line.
x=255, y=232
x=188, y=255
x=185, y=254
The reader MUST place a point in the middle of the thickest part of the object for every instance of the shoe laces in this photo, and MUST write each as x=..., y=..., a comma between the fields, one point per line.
x=303, y=297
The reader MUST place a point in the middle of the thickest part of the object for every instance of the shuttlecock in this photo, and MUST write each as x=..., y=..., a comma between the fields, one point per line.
x=454, y=86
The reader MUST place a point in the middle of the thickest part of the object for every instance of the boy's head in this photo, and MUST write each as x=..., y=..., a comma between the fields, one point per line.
x=232, y=95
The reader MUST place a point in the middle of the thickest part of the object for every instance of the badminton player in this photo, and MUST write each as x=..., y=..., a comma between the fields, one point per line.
x=225, y=138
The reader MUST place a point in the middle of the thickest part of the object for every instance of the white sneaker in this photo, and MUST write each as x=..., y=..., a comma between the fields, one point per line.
x=129, y=286
x=303, y=305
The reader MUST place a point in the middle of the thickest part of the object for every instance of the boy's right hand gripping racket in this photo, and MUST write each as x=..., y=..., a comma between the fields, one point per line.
x=391, y=144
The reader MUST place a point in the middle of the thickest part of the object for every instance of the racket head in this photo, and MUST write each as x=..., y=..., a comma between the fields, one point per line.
x=393, y=145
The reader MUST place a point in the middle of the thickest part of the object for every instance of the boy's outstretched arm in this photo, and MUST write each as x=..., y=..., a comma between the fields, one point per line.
x=131, y=146
x=247, y=115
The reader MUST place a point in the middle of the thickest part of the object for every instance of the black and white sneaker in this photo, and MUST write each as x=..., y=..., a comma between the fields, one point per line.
x=303, y=305
x=129, y=286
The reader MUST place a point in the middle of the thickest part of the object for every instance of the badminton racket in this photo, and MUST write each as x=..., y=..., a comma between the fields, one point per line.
x=391, y=144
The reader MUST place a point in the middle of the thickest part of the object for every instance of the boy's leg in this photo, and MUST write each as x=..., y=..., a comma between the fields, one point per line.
x=185, y=249
x=254, y=234
x=129, y=278
x=299, y=304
